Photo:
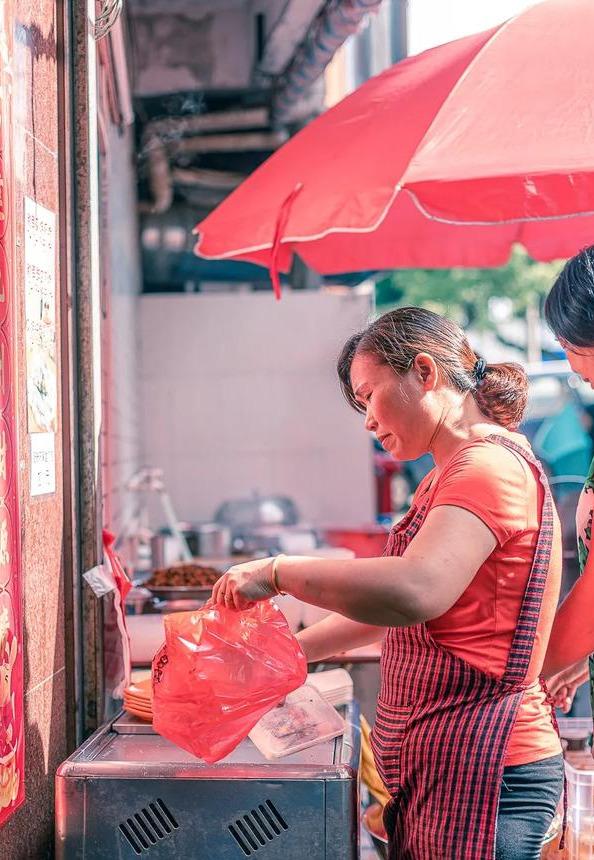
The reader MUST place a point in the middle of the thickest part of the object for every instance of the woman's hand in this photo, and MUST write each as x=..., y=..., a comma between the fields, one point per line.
x=572, y=636
x=563, y=685
x=245, y=584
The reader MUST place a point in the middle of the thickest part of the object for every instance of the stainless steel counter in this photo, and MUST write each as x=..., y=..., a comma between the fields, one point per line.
x=128, y=793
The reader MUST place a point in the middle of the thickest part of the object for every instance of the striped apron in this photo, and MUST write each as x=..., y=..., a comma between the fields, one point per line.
x=442, y=725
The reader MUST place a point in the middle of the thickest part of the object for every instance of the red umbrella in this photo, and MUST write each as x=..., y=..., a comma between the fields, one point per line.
x=446, y=159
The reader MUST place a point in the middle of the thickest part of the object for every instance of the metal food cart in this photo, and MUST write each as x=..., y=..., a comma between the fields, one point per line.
x=127, y=793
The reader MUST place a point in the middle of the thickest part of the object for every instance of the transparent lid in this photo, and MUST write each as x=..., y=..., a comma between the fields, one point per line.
x=305, y=718
x=574, y=728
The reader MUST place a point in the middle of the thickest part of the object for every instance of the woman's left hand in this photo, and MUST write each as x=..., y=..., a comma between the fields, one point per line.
x=245, y=584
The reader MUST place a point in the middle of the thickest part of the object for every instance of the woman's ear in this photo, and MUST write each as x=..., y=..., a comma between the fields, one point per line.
x=426, y=369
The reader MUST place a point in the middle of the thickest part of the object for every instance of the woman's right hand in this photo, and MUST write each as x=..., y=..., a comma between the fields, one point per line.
x=563, y=685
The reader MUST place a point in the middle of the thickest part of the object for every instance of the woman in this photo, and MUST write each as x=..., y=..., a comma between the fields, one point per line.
x=569, y=310
x=463, y=599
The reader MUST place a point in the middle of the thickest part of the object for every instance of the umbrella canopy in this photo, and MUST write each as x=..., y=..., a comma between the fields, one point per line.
x=446, y=159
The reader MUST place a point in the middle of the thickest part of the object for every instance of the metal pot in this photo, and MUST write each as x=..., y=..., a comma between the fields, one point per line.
x=213, y=540
x=209, y=540
x=257, y=511
x=164, y=549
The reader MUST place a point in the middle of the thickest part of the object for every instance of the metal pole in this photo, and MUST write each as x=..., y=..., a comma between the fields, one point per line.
x=69, y=362
x=88, y=337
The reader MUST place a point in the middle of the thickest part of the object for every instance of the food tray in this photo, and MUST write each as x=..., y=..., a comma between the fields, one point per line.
x=192, y=592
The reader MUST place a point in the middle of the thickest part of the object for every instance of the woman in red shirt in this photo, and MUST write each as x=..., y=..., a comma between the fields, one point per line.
x=463, y=599
x=570, y=313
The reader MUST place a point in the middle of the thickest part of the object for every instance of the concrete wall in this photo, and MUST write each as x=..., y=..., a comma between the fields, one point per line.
x=208, y=45
x=33, y=166
x=239, y=393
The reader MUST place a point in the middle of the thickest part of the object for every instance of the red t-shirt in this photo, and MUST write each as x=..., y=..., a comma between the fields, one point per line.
x=504, y=491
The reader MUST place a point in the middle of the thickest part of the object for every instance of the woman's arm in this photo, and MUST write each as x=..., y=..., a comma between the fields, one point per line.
x=572, y=636
x=425, y=582
x=438, y=565
x=336, y=634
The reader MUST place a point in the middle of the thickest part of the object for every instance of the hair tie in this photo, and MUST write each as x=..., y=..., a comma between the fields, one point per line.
x=479, y=371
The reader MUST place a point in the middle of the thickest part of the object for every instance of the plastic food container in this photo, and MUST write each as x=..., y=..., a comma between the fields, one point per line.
x=303, y=720
x=579, y=771
x=572, y=728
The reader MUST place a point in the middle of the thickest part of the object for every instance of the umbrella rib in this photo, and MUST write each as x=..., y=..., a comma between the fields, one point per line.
x=524, y=219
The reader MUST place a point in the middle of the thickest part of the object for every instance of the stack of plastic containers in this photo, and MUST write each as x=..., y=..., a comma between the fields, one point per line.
x=576, y=734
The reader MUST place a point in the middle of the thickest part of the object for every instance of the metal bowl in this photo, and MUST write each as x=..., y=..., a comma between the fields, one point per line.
x=379, y=839
x=194, y=592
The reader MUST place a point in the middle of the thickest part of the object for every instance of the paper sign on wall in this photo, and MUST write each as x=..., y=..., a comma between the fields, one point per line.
x=43, y=464
x=40, y=313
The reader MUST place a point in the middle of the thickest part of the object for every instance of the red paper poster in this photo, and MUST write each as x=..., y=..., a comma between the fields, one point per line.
x=12, y=759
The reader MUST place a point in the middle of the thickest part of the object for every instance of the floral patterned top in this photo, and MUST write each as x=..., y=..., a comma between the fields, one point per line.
x=584, y=517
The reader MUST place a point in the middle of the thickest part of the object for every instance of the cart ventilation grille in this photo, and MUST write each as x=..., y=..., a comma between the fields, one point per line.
x=148, y=827
x=258, y=828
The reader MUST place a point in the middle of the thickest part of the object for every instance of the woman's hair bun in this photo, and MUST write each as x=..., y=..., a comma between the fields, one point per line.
x=502, y=394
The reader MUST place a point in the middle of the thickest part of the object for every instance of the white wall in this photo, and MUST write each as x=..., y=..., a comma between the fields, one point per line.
x=240, y=393
x=121, y=411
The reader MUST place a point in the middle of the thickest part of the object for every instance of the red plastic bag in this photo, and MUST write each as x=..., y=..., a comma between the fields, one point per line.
x=219, y=671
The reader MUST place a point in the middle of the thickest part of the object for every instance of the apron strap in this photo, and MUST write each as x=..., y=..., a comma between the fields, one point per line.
x=405, y=529
x=523, y=641
x=522, y=644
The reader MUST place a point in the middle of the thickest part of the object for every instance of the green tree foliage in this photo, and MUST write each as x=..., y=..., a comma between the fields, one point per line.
x=464, y=293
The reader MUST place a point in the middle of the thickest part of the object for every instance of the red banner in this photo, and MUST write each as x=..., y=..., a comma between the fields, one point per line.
x=12, y=753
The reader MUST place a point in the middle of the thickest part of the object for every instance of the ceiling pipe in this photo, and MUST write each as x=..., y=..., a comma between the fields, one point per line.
x=219, y=180
x=245, y=142
x=190, y=134
x=338, y=20
x=231, y=120
x=286, y=35
x=160, y=180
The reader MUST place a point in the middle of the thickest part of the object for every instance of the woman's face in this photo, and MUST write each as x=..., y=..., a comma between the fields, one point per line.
x=581, y=360
x=398, y=409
